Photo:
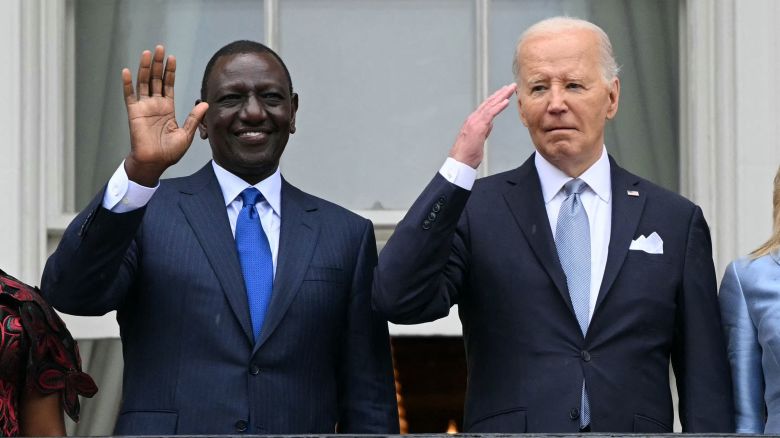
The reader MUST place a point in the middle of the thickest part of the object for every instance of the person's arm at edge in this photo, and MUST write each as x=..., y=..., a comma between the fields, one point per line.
x=41, y=414
x=744, y=354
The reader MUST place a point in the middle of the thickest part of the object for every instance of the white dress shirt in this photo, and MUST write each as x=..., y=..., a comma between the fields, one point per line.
x=123, y=195
x=597, y=200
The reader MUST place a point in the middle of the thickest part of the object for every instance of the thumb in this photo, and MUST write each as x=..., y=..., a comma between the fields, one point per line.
x=194, y=118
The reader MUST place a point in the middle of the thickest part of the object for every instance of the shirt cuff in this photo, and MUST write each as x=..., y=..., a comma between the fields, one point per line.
x=460, y=174
x=123, y=195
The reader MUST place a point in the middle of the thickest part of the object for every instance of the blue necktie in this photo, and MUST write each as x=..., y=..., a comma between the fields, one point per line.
x=572, y=239
x=256, y=260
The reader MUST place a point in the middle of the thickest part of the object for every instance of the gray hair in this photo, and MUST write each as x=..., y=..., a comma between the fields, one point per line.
x=609, y=66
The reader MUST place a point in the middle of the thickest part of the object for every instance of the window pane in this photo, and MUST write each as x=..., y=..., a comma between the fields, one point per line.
x=384, y=87
x=110, y=35
x=644, y=137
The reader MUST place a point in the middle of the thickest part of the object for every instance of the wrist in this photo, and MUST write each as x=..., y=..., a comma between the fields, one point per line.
x=469, y=160
x=147, y=175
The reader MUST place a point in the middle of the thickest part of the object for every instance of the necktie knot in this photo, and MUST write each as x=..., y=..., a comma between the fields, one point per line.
x=251, y=196
x=575, y=186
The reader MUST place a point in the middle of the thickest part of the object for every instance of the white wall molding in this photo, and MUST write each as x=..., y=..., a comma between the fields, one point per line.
x=730, y=127
x=11, y=125
x=708, y=128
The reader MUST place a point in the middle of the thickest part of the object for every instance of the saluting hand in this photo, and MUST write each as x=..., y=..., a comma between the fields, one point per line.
x=469, y=146
x=156, y=140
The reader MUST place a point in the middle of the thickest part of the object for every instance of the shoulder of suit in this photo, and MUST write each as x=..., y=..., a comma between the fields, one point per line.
x=748, y=266
x=495, y=181
x=312, y=202
x=654, y=191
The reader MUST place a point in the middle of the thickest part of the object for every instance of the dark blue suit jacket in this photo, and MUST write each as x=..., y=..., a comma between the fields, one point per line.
x=172, y=271
x=492, y=252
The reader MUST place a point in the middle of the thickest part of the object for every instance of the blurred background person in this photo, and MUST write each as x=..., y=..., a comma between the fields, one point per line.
x=40, y=368
x=750, y=307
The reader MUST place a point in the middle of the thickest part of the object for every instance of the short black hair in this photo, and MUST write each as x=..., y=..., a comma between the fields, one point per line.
x=239, y=47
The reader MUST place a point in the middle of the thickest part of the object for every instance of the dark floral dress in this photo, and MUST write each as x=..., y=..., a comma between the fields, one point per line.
x=36, y=351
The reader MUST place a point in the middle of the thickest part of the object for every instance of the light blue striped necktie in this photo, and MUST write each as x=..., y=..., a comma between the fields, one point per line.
x=572, y=239
x=257, y=264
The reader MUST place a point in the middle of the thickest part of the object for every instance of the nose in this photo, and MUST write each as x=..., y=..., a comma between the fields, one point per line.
x=253, y=109
x=557, y=102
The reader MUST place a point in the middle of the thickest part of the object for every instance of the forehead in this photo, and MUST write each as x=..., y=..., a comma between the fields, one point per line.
x=246, y=69
x=564, y=52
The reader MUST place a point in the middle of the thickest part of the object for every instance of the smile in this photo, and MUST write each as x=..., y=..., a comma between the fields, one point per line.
x=252, y=136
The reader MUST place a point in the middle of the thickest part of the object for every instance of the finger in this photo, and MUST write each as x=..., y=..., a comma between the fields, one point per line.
x=194, y=119
x=496, y=109
x=157, y=70
x=497, y=96
x=169, y=77
x=502, y=94
x=127, y=87
x=142, y=80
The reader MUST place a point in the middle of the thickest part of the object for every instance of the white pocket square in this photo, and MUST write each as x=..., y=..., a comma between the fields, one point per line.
x=652, y=244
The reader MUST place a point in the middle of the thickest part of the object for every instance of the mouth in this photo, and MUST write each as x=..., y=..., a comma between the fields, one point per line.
x=559, y=128
x=251, y=136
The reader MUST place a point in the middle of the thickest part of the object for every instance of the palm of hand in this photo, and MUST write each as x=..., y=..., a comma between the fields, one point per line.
x=155, y=135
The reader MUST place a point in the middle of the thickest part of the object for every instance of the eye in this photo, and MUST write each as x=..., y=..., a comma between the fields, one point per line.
x=273, y=98
x=230, y=98
x=537, y=88
x=574, y=86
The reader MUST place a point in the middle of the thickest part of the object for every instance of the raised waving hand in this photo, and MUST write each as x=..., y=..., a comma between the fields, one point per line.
x=156, y=140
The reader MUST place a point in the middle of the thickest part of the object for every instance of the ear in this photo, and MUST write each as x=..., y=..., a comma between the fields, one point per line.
x=520, y=109
x=614, y=97
x=202, y=125
x=294, y=101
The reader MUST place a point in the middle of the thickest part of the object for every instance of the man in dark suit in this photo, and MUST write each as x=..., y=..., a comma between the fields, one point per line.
x=218, y=337
x=576, y=281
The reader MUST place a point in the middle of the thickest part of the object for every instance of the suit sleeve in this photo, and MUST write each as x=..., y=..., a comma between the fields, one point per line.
x=699, y=353
x=424, y=264
x=744, y=354
x=93, y=266
x=367, y=401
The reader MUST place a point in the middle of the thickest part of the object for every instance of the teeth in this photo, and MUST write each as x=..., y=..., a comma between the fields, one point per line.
x=251, y=134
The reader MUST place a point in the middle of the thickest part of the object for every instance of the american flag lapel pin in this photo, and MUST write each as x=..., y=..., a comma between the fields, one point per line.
x=632, y=193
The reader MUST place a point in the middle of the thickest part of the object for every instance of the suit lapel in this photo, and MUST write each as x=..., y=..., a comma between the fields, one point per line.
x=297, y=240
x=626, y=212
x=525, y=201
x=204, y=208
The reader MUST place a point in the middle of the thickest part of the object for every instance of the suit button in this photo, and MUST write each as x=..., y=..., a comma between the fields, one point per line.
x=585, y=356
x=241, y=426
x=431, y=216
x=426, y=225
x=441, y=200
x=574, y=413
x=436, y=208
x=254, y=370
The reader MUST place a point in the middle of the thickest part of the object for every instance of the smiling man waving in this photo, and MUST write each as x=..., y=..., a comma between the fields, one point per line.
x=243, y=303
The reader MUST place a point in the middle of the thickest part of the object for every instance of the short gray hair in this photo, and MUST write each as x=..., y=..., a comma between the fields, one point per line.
x=609, y=66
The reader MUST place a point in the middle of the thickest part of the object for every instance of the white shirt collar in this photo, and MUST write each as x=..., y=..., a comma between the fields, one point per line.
x=597, y=177
x=232, y=186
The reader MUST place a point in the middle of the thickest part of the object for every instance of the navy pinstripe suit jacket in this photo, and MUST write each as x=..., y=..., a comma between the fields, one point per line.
x=191, y=367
